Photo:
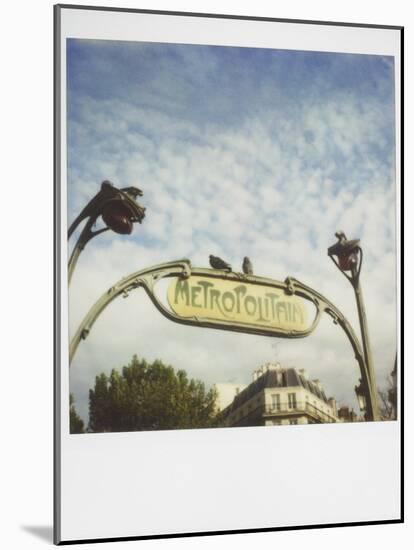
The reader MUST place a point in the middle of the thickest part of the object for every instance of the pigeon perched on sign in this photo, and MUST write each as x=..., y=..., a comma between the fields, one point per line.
x=247, y=266
x=218, y=263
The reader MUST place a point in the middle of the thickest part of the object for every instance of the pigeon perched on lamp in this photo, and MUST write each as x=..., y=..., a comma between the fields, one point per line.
x=344, y=243
x=346, y=251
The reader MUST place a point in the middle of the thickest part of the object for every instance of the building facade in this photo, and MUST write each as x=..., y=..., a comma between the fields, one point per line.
x=279, y=396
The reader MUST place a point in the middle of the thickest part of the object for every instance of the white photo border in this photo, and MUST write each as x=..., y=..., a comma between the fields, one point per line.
x=222, y=490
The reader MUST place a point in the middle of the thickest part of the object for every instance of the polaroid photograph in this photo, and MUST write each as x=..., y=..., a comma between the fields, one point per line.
x=228, y=274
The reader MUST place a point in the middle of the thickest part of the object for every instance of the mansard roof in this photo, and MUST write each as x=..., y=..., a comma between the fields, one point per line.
x=276, y=378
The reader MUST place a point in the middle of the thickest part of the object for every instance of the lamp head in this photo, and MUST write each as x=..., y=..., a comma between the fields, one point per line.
x=346, y=251
x=361, y=396
x=119, y=207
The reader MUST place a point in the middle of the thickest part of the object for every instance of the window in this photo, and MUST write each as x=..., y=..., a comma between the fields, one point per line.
x=292, y=400
x=276, y=402
x=293, y=422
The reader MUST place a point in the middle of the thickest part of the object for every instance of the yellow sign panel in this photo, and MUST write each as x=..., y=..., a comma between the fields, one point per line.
x=237, y=302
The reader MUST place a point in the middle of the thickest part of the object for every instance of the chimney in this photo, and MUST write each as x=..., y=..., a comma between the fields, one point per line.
x=332, y=404
x=273, y=366
x=303, y=373
x=317, y=383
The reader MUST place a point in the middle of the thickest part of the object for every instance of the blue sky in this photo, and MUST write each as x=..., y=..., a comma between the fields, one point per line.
x=239, y=151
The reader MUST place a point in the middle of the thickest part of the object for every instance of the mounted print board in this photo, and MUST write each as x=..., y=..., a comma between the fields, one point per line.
x=228, y=274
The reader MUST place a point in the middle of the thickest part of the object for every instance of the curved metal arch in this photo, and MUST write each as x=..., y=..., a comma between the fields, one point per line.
x=328, y=307
x=147, y=278
x=341, y=320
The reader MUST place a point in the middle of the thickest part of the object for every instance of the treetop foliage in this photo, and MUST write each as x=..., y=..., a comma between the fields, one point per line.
x=76, y=422
x=150, y=396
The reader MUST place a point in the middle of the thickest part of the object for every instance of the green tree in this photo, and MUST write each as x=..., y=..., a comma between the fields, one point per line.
x=150, y=396
x=76, y=422
x=388, y=396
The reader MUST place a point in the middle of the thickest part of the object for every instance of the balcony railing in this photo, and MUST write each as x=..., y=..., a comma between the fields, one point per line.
x=283, y=410
x=299, y=407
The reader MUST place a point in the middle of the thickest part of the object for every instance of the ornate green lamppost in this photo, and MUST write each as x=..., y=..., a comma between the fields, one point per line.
x=348, y=260
x=119, y=210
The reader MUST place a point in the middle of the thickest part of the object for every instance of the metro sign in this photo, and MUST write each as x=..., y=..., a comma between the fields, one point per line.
x=238, y=302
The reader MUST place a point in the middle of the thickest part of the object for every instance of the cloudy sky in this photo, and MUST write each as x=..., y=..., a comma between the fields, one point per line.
x=239, y=151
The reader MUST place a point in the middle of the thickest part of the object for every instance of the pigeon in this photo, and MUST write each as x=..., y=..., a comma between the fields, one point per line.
x=218, y=263
x=344, y=242
x=343, y=246
x=134, y=192
x=247, y=266
x=340, y=235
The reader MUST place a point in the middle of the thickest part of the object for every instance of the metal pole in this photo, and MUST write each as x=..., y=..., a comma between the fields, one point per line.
x=86, y=235
x=350, y=256
x=372, y=403
x=121, y=288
